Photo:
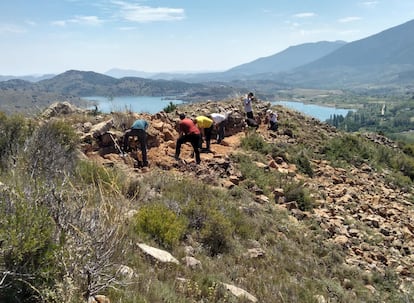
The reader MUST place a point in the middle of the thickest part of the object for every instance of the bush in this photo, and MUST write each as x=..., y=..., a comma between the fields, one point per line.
x=14, y=131
x=216, y=233
x=50, y=151
x=170, y=107
x=255, y=142
x=108, y=178
x=295, y=191
x=303, y=163
x=27, y=250
x=160, y=223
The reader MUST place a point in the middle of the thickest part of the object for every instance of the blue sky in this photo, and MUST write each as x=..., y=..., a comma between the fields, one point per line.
x=52, y=36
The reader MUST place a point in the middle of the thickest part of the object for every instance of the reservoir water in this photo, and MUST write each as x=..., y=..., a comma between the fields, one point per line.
x=152, y=105
x=319, y=112
x=139, y=104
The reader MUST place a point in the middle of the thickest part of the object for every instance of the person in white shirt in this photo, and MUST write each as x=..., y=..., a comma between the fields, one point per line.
x=272, y=118
x=220, y=122
x=248, y=105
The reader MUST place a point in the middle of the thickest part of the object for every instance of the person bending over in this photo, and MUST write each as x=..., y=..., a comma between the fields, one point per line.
x=139, y=130
x=205, y=125
x=189, y=132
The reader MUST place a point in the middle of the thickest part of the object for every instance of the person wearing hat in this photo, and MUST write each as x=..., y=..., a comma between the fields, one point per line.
x=272, y=118
x=189, y=132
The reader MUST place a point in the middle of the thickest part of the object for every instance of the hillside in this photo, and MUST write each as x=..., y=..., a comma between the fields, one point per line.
x=24, y=96
x=288, y=59
x=381, y=59
x=303, y=214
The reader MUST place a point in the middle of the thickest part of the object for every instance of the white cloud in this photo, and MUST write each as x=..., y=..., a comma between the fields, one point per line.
x=349, y=19
x=143, y=14
x=127, y=28
x=304, y=15
x=88, y=20
x=59, y=23
x=83, y=20
x=30, y=23
x=369, y=3
x=11, y=29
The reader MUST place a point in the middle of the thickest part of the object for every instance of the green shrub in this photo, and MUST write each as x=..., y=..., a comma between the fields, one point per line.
x=27, y=250
x=170, y=107
x=295, y=191
x=255, y=142
x=161, y=223
x=216, y=233
x=51, y=150
x=348, y=148
x=303, y=163
x=108, y=178
x=14, y=130
x=254, y=175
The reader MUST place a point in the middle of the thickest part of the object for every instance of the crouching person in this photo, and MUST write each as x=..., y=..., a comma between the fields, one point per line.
x=272, y=118
x=139, y=130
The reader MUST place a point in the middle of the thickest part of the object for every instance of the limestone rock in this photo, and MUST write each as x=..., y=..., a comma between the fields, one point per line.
x=238, y=292
x=98, y=299
x=158, y=254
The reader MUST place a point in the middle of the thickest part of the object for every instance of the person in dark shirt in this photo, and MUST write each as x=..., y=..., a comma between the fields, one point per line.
x=189, y=132
x=139, y=130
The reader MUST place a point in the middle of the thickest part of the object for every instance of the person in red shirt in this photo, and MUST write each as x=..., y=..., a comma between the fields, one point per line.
x=189, y=132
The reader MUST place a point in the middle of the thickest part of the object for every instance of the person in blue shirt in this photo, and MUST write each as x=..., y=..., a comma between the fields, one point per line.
x=139, y=130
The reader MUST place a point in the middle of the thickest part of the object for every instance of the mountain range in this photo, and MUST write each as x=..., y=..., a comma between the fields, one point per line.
x=383, y=59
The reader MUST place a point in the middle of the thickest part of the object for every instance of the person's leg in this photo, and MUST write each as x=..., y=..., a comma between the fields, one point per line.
x=195, y=139
x=250, y=115
x=207, y=132
x=125, y=144
x=180, y=142
x=142, y=137
x=221, y=132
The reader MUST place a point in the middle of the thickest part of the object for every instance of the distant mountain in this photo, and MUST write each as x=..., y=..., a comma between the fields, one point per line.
x=72, y=85
x=88, y=83
x=288, y=59
x=31, y=78
x=121, y=73
x=384, y=58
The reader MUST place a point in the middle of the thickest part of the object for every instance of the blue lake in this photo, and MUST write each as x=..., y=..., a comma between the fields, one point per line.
x=152, y=105
x=319, y=112
x=139, y=104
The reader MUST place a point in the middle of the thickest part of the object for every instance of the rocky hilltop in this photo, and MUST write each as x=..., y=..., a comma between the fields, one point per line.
x=357, y=207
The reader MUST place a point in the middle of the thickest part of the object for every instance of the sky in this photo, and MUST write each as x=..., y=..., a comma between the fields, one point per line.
x=53, y=36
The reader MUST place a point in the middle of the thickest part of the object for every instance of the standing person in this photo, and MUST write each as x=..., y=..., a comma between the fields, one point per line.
x=220, y=122
x=272, y=118
x=139, y=130
x=248, y=108
x=205, y=125
x=188, y=133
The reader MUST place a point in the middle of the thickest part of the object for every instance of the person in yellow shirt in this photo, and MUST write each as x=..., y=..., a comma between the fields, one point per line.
x=205, y=125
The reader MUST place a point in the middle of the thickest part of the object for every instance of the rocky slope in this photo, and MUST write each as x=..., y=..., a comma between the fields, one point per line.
x=356, y=207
